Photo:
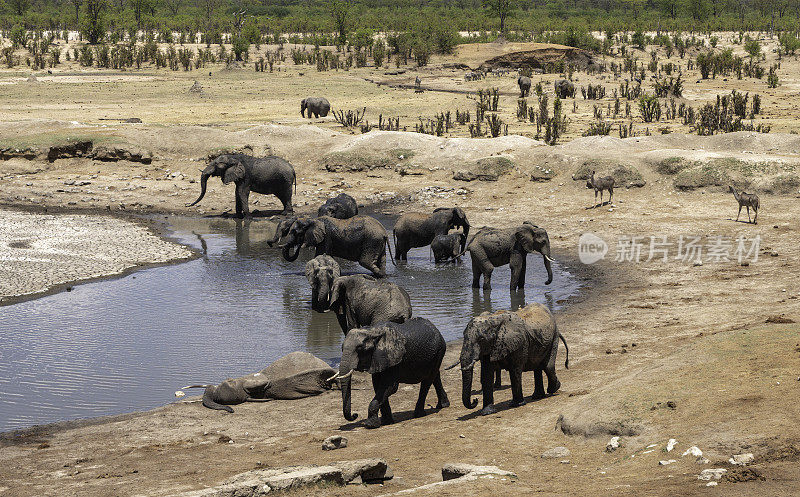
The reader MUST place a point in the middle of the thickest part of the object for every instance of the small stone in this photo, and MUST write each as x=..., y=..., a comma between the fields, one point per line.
x=698, y=263
x=179, y=394
x=334, y=442
x=702, y=460
x=693, y=451
x=224, y=439
x=745, y=263
x=666, y=463
x=565, y=461
x=671, y=444
x=613, y=444
x=712, y=474
x=712, y=484
x=741, y=459
x=462, y=436
x=556, y=453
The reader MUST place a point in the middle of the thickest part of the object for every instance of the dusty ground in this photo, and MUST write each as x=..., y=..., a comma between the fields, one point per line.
x=701, y=335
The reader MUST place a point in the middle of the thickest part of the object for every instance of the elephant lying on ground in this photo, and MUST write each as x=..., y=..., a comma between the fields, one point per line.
x=393, y=353
x=343, y=206
x=293, y=376
x=269, y=176
x=418, y=230
x=448, y=247
x=492, y=247
x=358, y=300
x=318, y=106
x=525, y=340
x=362, y=239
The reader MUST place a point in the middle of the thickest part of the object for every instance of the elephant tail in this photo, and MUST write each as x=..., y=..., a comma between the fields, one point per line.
x=389, y=248
x=452, y=365
x=209, y=402
x=295, y=183
x=466, y=245
x=566, y=361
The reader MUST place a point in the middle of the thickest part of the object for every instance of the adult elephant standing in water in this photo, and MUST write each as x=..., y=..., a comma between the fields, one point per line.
x=418, y=230
x=269, y=175
x=362, y=239
x=492, y=247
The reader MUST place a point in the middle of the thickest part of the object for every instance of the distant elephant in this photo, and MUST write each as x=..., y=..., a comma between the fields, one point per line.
x=270, y=175
x=492, y=247
x=281, y=230
x=564, y=88
x=525, y=340
x=524, y=84
x=318, y=106
x=293, y=376
x=418, y=230
x=321, y=271
x=362, y=239
x=392, y=353
x=343, y=206
x=448, y=247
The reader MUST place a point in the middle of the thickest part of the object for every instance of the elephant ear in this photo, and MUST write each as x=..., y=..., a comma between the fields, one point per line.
x=234, y=173
x=390, y=347
x=316, y=233
x=510, y=338
x=338, y=292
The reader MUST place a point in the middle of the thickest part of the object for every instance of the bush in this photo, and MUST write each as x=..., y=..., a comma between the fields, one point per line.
x=378, y=52
x=701, y=176
x=650, y=108
x=240, y=47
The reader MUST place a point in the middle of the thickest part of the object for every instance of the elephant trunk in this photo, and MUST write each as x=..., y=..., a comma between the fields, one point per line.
x=547, y=264
x=203, y=183
x=319, y=297
x=466, y=387
x=464, y=238
x=287, y=252
x=345, y=383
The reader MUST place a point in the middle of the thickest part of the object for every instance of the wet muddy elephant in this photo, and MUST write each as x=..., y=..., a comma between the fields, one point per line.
x=525, y=340
x=316, y=106
x=362, y=239
x=392, y=353
x=293, y=376
x=492, y=247
x=418, y=230
x=269, y=175
x=342, y=206
x=447, y=248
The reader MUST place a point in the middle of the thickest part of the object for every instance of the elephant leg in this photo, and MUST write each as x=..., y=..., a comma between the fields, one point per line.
x=517, y=264
x=386, y=409
x=286, y=199
x=498, y=382
x=487, y=375
x=243, y=196
x=383, y=389
x=424, y=387
x=441, y=395
x=516, y=388
x=538, y=389
x=377, y=270
x=476, y=272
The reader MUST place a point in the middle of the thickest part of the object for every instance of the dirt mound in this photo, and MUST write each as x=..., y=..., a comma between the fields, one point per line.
x=624, y=175
x=585, y=428
x=540, y=58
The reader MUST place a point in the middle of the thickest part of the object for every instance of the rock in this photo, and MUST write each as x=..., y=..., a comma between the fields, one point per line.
x=28, y=153
x=464, y=176
x=671, y=444
x=781, y=319
x=693, y=451
x=72, y=149
x=113, y=154
x=712, y=474
x=613, y=444
x=556, y=453
x=196, y=88
x=334, y=442
x=586, y=428
x=179, y=393
x=741, y=459
x=411, y=171
x=712, y=484
x=702, y=460
x=32, y=79
x=666, y=463
x=369, y=470
x=451, y=471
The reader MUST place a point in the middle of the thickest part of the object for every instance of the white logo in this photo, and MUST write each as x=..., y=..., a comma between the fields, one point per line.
x=591, y=248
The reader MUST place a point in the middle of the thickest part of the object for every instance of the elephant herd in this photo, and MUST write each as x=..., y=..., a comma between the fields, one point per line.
x=380, y=335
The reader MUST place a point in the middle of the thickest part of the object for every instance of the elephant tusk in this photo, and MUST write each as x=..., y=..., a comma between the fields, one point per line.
x=348, y=375
x=471, y=365
x=334, y=377
x=548, y=258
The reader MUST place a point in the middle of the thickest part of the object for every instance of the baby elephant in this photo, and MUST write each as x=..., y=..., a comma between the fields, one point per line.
x=343, y=206
x=393, y=353
x=525, y=340
x=447, y=248
x=293, y=376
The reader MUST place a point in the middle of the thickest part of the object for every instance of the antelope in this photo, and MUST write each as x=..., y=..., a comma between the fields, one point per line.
x=600, y=184
x=746, y=200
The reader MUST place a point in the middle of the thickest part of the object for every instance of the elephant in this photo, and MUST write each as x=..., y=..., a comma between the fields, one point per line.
x=293, y=376
x=318, y=106
x=524, y=340
x=362, y=239
x=360, y=300
x=418, y=230
x=492, y=247
x=448, y=247
x=281, y=230
x=343, y=206
x=393, y=353
x=524, y=84
x=269, y=175
x=564, y=88
x=321, y=271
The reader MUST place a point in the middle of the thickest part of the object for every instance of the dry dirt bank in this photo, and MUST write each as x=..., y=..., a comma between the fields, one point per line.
x=700, y=333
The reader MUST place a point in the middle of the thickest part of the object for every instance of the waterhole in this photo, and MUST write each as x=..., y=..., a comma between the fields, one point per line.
x=126, y=344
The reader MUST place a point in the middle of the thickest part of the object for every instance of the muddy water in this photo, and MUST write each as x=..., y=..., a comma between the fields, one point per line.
x=127, y=344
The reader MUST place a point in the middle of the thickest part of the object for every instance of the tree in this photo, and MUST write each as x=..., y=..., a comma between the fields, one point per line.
x=94, y=28
x=173, y=5
x=500, y=8
x=670, y=7
x=339, y=10
x=753, y=49
x=698, y=9
x=208, y=7
x=19, y=6
x=77, y=4
x=139, y=7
